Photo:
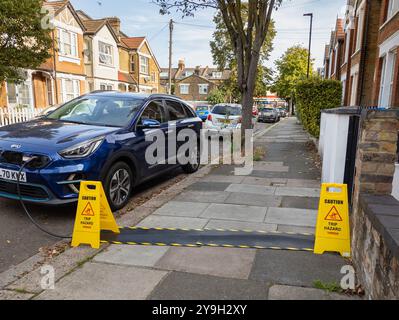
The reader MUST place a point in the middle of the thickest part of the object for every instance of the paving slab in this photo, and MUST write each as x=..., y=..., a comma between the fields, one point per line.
x=154, y=221
x=235, y=212
x=303, y=183
x=264, y=181
x=251, y=199
x=291, y=216
x=278, y=292
x=272, y=168
x=209, y=186
x=295, y=229
x=225, y=179
x=142, y=256
x=239, y=225
x=297, y=192
x=203, y=196
x=14, y=295
x=300, y=203
x=221, y=262
x=296, y=268
x=254, y=189
x=187, y=286
x=98, y=281
x=182, y=209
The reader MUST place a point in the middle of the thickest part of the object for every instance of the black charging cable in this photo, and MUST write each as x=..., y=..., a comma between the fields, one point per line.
x=21, y=200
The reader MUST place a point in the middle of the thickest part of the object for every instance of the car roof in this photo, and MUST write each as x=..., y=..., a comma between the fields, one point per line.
x=228, y=105
x=135, y=95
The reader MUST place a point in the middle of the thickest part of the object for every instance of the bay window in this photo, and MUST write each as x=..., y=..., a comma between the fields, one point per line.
x=105, y=53
x=70, y=89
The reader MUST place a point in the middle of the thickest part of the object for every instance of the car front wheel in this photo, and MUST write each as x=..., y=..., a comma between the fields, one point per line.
x=194, y=162
x=118, y=185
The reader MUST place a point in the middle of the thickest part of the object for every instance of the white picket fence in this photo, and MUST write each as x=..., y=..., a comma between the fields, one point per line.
x=11, y=116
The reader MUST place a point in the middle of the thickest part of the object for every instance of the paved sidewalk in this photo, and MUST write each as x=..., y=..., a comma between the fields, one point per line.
x=280, y=195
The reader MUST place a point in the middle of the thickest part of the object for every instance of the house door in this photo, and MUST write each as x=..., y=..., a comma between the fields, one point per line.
x=18, y=94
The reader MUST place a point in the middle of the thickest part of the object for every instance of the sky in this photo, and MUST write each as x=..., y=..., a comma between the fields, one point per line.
x=193, y=34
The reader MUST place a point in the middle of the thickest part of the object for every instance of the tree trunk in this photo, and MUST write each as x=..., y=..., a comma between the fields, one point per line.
x=247, y=102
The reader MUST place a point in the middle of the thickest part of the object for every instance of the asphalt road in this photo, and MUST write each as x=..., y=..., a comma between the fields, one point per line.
x=20, y=239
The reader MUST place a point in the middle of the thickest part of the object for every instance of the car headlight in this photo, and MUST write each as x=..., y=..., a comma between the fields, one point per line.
x=83, y=149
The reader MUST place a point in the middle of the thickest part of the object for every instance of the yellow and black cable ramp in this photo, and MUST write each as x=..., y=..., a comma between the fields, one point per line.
x=210, y=238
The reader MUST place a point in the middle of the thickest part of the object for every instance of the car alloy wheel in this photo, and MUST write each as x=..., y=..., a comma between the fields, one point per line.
x=118, y=185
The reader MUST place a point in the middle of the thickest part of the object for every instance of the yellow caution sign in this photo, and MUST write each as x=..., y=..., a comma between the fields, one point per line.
x=92, y=216
x=332, y=229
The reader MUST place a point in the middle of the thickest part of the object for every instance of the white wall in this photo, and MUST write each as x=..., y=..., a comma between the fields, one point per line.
x=395, y=184
x=101, y=71
x=334, y=142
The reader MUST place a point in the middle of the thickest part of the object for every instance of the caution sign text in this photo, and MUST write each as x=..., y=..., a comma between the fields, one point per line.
x=92, y=216
x=332, y=229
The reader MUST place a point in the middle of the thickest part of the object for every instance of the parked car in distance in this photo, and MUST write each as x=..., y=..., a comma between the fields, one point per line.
x=224, y=118
x=268, y=115
x=202, y=111
x=255, y=112
x=283, y=112
x=100, y=136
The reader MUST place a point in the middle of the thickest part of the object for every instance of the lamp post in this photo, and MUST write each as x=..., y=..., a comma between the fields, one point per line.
x=310, y=39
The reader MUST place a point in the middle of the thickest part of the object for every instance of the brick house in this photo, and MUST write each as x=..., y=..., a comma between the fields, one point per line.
x=369, y=64
x=142, y=64
x=60, y=78
x=193, y=84
x=386, y=84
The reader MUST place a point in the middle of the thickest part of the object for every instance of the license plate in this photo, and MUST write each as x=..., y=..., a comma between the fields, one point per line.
x=12, y=175
x=225, y=121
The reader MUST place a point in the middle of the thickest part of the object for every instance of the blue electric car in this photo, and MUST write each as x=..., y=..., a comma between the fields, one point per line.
x=100, y=136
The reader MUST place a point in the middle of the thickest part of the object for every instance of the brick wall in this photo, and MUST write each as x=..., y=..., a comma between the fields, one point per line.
x=375, y=222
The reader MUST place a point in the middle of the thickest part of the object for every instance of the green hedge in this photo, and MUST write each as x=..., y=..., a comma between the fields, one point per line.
x=314, y=95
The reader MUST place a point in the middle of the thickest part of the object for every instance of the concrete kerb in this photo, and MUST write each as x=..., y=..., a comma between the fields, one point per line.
x=29, y=268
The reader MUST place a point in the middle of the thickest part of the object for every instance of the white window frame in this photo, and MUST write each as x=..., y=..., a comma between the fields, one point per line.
x=144, y=65
x=393, y=8
x=387, y=79
x=106, y=86
x=354, y=85
x=105, y=58
x=360, y=26
x=201, y=88
x=73, y=43
x=186, y=90
x=348, y=40
x=75, y=90
x=217, y=74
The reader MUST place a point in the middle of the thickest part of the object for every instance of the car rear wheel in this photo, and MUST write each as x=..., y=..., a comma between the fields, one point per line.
x=118, y=185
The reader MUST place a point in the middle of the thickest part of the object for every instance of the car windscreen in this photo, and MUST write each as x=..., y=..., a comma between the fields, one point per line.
x=227, y=110
x=267, y=110
x=103, y=111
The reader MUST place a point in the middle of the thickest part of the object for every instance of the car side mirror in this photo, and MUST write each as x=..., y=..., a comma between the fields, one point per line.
x=149, y=124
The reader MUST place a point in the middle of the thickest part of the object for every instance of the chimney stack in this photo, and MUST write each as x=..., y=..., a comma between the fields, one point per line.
x=182, y=65
x=115, y=23
x=197, y=70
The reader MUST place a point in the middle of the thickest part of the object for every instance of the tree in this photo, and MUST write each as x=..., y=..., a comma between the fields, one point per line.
x=24, y=43
x=224, y=57
x=247, y=36
x=291, y=68
x=216, y=96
